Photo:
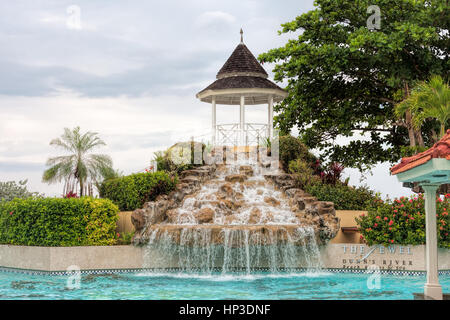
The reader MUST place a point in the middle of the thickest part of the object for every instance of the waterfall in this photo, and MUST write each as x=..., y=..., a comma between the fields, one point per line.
x=253, y=228
x=193, y=250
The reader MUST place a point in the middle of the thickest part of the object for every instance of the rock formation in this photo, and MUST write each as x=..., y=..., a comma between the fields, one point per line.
x=235, y=198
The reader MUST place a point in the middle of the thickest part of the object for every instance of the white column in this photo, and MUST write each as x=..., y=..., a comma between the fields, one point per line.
x=213, y=103
x=432, y=287
x=242, y=120
x=270, y=117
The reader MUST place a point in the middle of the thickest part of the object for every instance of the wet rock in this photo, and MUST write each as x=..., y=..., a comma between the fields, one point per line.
x=255, y=216
x=191, y=180
x=181, y=190
x=329, y=228
x=227, y=190
x=291, y=193
x=138, y=219
x=202, y=174
x=172, y=216
x=238, y=196
x=272, y=201
x=152, y=213
x=236, y=178
x=205, y=215
x=231, y=219
x=228, y=207
x=246, y=170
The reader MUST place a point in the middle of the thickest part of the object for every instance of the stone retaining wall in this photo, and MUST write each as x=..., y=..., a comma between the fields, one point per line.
x=334, y=256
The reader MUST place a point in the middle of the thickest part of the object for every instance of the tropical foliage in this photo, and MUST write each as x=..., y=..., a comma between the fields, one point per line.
x=403, y=221
x=11, y=190
x=131, y=192
x=344, y=79
x=292, y=148
x=58, y=222
x=428, y=100
x=80, y=169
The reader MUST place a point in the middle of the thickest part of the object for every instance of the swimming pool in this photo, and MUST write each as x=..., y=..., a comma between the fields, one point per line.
x=154, y=286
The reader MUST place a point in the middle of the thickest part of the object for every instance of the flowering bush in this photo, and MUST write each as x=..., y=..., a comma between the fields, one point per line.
x=70, y=194
x=403, y=221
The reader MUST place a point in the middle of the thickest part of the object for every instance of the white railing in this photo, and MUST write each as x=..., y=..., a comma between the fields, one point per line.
x=231, y=134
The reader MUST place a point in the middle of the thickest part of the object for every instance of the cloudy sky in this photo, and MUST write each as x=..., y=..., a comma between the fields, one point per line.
x=128, y=70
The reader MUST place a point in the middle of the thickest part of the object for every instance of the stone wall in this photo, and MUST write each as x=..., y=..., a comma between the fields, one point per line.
x=334, y=256
x=320, y=214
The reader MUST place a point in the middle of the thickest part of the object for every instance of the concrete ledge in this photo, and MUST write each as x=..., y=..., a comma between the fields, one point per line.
x=394, y=257
x=60, y=258
x=341, y=257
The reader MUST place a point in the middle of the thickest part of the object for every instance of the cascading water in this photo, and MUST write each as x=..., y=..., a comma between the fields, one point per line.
x=236, y=222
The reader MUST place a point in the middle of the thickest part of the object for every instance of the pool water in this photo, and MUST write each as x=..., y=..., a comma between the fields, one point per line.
x=174, y=286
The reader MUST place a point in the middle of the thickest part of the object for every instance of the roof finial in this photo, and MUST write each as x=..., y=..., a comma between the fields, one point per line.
x=242, y=36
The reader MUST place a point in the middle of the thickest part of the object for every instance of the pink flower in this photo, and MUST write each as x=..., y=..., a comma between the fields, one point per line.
x=375, y=225
x=391, y=223
x=390, y=228
x=11, y=213
x=385, y=218
x=392, y=241
x=378, y=217
x=396, y=211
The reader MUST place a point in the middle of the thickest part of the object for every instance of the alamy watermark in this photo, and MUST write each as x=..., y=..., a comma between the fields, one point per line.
x=74, y=279
x=73, y=21
x=374, y=20
x=374, y=280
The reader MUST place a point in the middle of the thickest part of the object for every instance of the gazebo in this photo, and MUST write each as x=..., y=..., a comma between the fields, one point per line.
x=429, y=169
x=242, y=81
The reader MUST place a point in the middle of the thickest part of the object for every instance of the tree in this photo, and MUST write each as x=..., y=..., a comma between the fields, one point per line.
x=11, y=190
x=429, y=99
x=344, y=78
x=79, y=168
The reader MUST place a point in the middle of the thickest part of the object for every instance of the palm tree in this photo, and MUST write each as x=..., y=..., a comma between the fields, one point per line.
x=79, y=168
x=428, y=100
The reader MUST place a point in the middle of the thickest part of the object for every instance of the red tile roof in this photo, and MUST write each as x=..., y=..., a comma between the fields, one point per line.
x=441, y=149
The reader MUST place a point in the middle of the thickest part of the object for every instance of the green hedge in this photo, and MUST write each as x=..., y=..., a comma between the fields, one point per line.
x=58, y=222
x=344, y=197
x=131, y=192
x=402, y=221
x=292, y=148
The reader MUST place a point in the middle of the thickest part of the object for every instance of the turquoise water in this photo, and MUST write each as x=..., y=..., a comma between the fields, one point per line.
x=182, y=286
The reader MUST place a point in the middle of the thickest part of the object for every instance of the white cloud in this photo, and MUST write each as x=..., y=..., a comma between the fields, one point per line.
x=214, y=17
x=130, y=74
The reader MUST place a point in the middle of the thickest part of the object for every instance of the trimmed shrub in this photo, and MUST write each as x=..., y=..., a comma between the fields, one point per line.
x=58, y=222
x=292, y=148
x=344, y=197
x=403, y=222
x=131, y=192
